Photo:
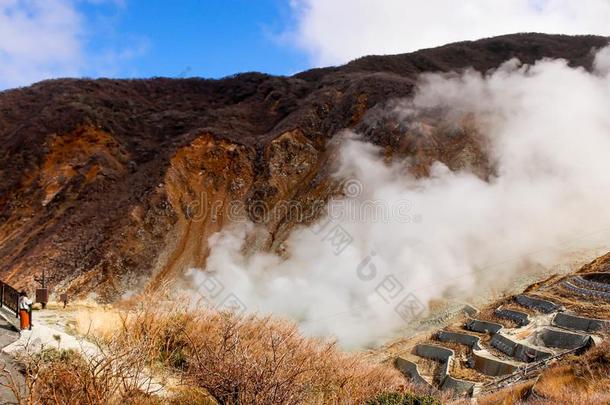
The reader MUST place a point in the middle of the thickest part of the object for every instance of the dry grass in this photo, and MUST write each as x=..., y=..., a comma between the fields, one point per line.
x=515, y=395
x=102, y=323
x=65, y=377
x=600, y=264
x=77, y=305
x=212, y=357
x=256, y=360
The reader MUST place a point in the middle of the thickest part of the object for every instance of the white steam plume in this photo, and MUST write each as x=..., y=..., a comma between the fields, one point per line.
x=548, y=130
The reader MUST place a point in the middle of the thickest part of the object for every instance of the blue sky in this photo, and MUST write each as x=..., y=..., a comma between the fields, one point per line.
x=43, y=39
x=197, y=38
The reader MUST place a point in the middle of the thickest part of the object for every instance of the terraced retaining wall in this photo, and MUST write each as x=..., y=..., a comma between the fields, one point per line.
x=581, y=323
x=518, y=350
x=539, y=304
x=563, y=339
x=476, y=325
x=521, y=318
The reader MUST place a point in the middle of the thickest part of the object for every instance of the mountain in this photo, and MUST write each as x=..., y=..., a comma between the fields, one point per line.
x=116, y=185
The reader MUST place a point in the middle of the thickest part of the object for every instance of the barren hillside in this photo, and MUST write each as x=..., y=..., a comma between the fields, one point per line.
x=116, y=184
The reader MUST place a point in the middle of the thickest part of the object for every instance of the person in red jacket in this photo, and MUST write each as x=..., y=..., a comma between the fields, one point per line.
x=24, y=311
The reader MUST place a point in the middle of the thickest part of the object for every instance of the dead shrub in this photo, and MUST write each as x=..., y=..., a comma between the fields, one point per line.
x=257, y=360
x=210, y=357
x=54, y=376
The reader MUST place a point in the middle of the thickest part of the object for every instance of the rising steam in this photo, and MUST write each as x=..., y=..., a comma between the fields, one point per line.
x=547, y=128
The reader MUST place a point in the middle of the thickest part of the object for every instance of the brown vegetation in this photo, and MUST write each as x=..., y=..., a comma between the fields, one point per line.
x=217, y=357
x=63, y=377
x=256, y=360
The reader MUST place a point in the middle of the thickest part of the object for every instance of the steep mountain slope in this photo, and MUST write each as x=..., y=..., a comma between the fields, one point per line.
x=111, y=185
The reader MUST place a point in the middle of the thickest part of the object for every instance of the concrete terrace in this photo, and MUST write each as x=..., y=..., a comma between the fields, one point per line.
x=512, y=342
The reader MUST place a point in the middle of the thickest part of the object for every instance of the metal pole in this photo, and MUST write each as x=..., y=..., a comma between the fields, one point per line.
x=44, y=304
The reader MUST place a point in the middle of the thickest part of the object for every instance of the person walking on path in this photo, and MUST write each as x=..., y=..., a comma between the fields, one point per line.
x=25, y=305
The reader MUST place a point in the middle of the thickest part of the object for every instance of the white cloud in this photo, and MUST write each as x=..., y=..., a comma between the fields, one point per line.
x=336, y=31
x=42, y=39
x=39, y=39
